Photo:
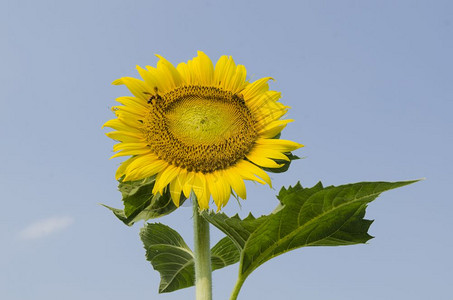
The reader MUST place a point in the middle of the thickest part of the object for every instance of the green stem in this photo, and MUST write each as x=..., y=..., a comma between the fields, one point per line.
x=203, y=272
x=237, y=288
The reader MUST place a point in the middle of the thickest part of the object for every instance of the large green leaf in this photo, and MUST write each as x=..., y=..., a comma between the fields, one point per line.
x=224, y=253
x=141, y=204
x=317, y=216
x=169, y=255
x=236, y=229
x=174, y=260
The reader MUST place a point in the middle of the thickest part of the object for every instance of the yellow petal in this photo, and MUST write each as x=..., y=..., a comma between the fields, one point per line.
x=162, y=78
x=125, y=136
x=122, y=168
x=129, y=146
x=252, y=172
x=279, y=145
x=236, y=182
x=238, y=81
x=145, y=171
x=213, y=188
x=136, y=113
x=269, y=153
x=201, y=190
x=131, y=152
x=267, y=100
x=256, y=88
x=121, y=125
x=224, y=189
x=164, y=178
x=257, y=157
x=136, y=103
x=204, y=69
x=170, y=71
x=137, y=87
x=219, y=188
x=142, y=161
x=186, y=75
x=273, y=129
x=176, y=186
x=224, y=71
x=187, y=188
x=219, y=69
x=149, y=79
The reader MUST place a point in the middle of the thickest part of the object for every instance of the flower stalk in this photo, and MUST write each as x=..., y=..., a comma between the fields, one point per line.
x=203, y=271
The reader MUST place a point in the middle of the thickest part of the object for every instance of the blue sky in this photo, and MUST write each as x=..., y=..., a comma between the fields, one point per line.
x=370, y=85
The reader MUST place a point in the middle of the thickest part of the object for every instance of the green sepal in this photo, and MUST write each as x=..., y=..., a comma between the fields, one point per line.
x=277, y=136
x=317, y=216
x=285, y=163
x=141, y=204
x=119, y=213
x=174, y=260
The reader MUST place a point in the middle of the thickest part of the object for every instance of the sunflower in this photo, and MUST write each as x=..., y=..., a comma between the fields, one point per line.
x=199, y=128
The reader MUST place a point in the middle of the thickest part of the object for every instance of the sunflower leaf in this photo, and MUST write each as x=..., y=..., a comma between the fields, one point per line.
x=224, y=253
x=141, y=204
x=174, y=260
x=317, y=216
x=169, y=255
x=236, y=229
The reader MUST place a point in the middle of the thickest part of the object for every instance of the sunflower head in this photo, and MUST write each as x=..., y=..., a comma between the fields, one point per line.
x=199, y=128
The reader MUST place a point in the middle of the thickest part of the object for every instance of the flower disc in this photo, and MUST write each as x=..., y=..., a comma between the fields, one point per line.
x=199, y=129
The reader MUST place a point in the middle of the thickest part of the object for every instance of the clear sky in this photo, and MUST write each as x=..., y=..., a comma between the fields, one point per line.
x=370, y=86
